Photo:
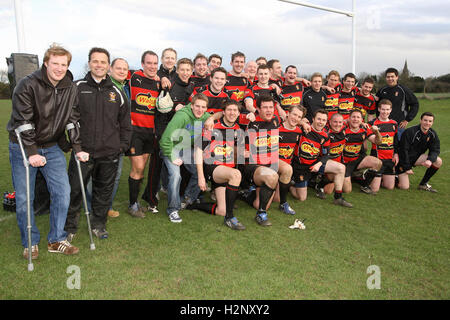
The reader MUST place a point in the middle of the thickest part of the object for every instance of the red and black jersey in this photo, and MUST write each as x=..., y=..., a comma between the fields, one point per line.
x=337, y=143
x=389, y=140
x=219, y=143
x=332, y=101
x=199, y=82
x=279, y=82
x=367, y=105
x=354, y=143
x=346, y=101
x=291, y=94
x=144, y=92
x=262, y=140
x=215, y=100
x=313, y=147
x=256, y=91
x=236, y=87
x=289, y=139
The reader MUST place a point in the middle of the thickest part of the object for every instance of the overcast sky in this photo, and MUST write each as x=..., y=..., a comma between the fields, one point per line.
x=388, y=32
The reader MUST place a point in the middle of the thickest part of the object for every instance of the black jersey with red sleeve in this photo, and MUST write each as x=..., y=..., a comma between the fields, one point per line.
x=291, y=94
x=144, y=92
x=367, y=105
x=219, y=144
x=215, y=100
x=389, y=140
x=332, y=101
x=262, y=140
x=288, y=143
x=354, y=143
x=199, y=82
x=236, y=87
x=346, y=102
x=313, y=147
x=337, y=143
x=313, y=101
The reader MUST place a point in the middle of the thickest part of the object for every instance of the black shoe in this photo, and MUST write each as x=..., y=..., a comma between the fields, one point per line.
x=343, y=203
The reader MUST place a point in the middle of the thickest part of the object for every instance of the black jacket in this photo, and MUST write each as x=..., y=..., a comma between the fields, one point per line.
x=179, y=93
x=50, y=109
x=404, y=103
x=105, y=122
x=415, y=143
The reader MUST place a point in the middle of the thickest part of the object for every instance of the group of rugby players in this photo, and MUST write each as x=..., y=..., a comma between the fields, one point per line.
x=268, y=134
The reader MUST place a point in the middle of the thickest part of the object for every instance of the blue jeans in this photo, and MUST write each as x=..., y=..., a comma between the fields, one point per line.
x=174, y=180
x=55, y=174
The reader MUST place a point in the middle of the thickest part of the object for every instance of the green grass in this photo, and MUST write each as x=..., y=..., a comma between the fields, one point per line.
x=405, y=233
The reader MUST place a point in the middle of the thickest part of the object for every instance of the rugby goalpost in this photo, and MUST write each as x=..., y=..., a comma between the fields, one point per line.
x=350, y=14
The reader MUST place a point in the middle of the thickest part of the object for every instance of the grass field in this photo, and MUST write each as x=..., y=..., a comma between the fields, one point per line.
x=405, y=233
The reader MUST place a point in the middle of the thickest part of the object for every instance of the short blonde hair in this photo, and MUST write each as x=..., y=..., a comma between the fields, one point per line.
x=57, y=50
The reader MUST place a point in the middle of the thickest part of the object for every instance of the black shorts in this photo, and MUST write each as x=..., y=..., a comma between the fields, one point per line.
x=387, y=168
x=351, y=166
x=208, y=170
x=301, y=174
x=142, y=143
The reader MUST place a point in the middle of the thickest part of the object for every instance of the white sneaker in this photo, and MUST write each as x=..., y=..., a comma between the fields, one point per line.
x=175, y=217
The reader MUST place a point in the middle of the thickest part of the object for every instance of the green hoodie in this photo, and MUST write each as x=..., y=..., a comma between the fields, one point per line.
x=181, y=131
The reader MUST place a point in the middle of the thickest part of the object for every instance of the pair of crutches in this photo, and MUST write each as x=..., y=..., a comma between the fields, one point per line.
x=26, y=164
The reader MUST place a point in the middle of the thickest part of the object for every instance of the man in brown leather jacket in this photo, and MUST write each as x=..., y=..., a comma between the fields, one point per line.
x=43, y=108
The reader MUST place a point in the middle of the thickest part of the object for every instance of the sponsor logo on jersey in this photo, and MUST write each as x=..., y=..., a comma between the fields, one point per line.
x=337, y=149
x=266, y=141
x=290, y=100
x=387, y=140
x=223, y=150
x=309, y=149
x=353, y=149
x=286, y=152
x=146, y=100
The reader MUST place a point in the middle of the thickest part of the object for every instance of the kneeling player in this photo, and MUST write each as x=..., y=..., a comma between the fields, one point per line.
x=262, y=137
x=312, y=157
x=216, y=161
x=355, y=157
x=290, y=135
x=414, y=144
x=386, y=151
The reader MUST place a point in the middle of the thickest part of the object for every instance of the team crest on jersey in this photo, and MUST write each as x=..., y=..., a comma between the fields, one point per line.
x=396, y=93
x=298, y=88
x=112, y=97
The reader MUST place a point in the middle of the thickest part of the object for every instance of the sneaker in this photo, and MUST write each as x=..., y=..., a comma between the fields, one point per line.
x=70, y=237
x=100, y=233
x=342, y=202
x=175, y=217
x=262, y=219
x=426, y=187
x=286, y=208
x=320, y=193
x=136, y=211
x=113, y=213
x=186, y=202
x=62, y=247
x=234, y=224
x=34, y=252
x=367, y=190
x=151, y=209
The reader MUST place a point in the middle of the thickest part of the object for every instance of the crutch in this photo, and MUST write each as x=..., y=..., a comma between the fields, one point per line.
x=26, y=164
x=83, y=193
x=86, y=209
